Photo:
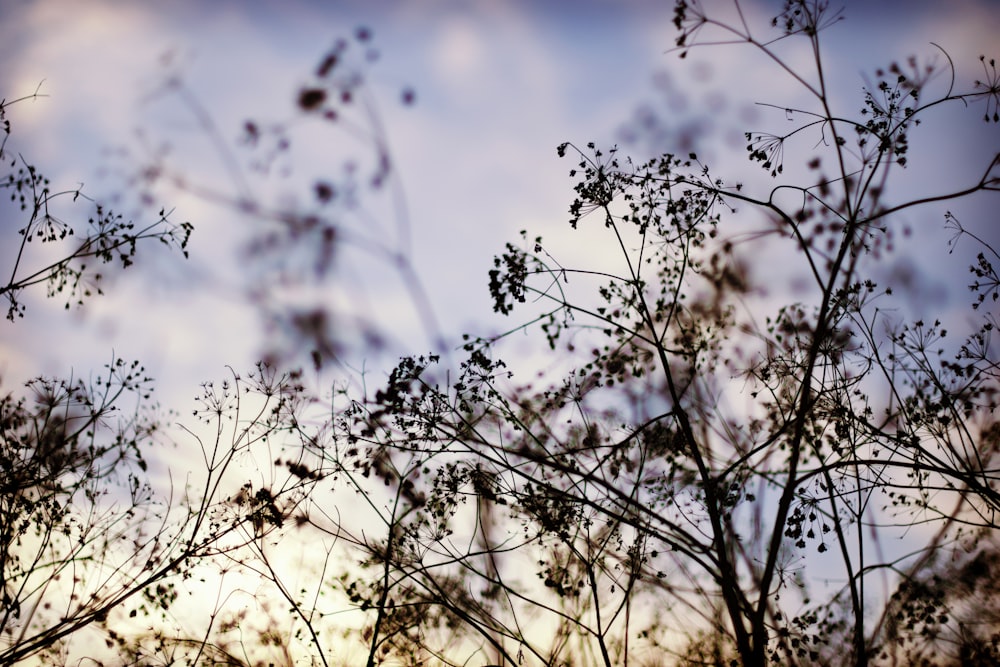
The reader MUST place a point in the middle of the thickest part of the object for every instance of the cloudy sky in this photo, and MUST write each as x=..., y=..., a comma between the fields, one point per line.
x=498, y=84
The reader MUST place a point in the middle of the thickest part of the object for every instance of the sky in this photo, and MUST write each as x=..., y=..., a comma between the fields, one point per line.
x=498, y=85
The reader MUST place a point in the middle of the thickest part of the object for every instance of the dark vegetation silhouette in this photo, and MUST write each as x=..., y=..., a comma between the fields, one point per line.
x=712, y=472
x=85, y=539
x=98, y=541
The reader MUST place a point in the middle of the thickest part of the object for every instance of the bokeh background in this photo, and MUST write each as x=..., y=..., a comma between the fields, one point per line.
x=470, y=100
x=497, y=85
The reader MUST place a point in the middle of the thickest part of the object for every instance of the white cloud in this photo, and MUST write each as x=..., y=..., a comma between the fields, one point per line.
x=459, y=52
